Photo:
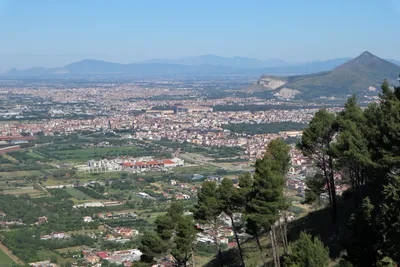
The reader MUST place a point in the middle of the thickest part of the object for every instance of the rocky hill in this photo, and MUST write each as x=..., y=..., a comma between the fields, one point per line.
x=362, y=74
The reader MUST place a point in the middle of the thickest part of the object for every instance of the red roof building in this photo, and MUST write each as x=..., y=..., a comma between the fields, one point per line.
x=232, y=244
x=103, y=254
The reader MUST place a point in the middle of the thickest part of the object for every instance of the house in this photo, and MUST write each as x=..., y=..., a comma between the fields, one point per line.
x=213, y=178
x=55, y=235
x=178, y=161
x=58, y=235
x=87, y=219
x=166, y=195
x=126, y=232
x=223, y=240
x=193, y=189
x=41, y=220
x=144, y=195
x=232, y=244
x=92, y=259
x=42, y=264
x=45, y=237
x=181, y=197
x=103, y=255
x=169, y=163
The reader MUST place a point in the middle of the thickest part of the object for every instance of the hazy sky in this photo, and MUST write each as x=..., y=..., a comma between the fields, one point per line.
x=57, y=32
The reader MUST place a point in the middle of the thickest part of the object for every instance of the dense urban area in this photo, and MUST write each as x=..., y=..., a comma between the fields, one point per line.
x=184, y=173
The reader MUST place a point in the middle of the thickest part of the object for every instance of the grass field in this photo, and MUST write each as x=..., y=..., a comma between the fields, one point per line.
x=153, y=216
x=10, y=158
x=77, y=194
x=35, y=155
x=82, y=155
x=50, y=255
x=99, y=176
x=23, y=190
x=19, y=173
x=4, y=259
x=6, y=165
x=202, y=169
x=69, y=249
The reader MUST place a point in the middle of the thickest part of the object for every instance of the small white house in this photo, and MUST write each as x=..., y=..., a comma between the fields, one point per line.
x=58, y=235
x=87, y=219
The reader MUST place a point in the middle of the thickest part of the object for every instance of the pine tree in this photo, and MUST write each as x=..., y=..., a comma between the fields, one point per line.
x=316, y=143
x=151, y=246
x=208, y=209
x=389, y=221
x=315, y=187
x=265, y=199
x=184, y=241
x=308, y=252
x=362, y=247
x=230, y=202
x=351, y=148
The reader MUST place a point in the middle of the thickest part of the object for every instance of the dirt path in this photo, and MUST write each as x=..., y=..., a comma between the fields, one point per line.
x=9, y=254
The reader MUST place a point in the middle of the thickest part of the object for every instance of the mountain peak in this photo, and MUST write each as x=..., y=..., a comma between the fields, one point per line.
x=354, y=76
x=367, y=54
x=365, y=60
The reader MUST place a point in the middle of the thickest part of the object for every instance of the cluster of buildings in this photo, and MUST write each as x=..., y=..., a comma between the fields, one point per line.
x=194, y=120
x=225, y=231
x=126, y=257
x=131, y=164
x=54, y=235
x=116, y=215
x=46, y=263
x=301, y=168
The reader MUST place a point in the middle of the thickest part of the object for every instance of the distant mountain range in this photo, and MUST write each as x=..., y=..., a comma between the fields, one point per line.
x=362, y=74
x=238, y=62
x=194, y=66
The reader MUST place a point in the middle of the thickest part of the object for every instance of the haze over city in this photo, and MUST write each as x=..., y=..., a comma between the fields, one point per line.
x=56, y=33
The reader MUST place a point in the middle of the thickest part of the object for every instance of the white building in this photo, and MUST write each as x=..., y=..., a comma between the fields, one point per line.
x=87, y=219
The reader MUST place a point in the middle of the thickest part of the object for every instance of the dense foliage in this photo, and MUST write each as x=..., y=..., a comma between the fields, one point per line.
x=308, y=252
x=362, y=149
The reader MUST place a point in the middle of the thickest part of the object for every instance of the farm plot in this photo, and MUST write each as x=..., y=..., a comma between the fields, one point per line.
x=79, y=195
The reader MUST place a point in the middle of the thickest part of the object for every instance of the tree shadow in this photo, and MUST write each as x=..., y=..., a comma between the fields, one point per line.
x=319, y=223
x=231, y=257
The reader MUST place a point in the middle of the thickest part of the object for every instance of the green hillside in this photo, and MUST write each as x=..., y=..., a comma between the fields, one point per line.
x=354, y=76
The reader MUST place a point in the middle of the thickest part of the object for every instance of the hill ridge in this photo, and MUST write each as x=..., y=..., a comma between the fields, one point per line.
x=362, y=74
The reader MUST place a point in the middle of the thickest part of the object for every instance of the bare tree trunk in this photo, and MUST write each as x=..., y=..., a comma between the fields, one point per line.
x=327, y=180
x=261, y=250
x=217, y=243
x=193, y=261
x=283, y=232
x=237, y=241
x=276, y=247
x=333, y=189
x=273, y=248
